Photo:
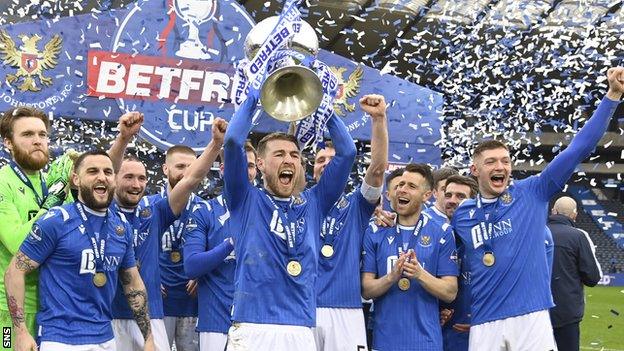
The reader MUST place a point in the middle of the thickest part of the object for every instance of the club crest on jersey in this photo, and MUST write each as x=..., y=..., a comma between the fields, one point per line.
x=506, y=198
x=298, y=200
x=146, y=212
x=425, y=241
x=119, y=230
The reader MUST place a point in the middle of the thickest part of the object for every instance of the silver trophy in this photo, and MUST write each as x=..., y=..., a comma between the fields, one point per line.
x=194, y=13
x=291, y=91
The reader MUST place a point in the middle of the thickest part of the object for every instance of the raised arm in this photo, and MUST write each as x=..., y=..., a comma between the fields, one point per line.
x=335, y=177
x=14, y=283
x=235, y=160
x=375, y=106
x=129, y=125
x=135, y=292
x=557, y=173
x=198, y=170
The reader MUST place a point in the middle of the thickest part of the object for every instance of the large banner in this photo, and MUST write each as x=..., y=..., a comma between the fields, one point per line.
x=174, y=61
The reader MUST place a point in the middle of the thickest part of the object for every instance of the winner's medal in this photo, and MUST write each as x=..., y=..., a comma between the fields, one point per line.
x=327, y=251
x=293, y=268
x=175, y=256
x=99, y=279
x=489, y=259
x=404, y=284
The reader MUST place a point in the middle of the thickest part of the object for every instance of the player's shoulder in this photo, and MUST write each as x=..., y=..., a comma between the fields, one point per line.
x=59, y=217
x=377, y=232
x=436, y=223
x=464, y=209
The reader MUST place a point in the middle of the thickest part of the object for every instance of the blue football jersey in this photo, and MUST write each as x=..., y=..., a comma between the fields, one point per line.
x=436, y=214
x=338, y=283
x=151, y=218
x=177, y=302
x=518, y=219
x=453, y=339
x=72, y=309
x=208, y=228
x=409, y=320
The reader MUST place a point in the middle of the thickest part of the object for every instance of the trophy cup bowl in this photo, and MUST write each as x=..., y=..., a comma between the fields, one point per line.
x=194, y=13
x=291, y=91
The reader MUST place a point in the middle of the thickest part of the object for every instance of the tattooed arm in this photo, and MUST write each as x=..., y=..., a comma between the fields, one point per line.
x=135, y=292
x=14, y=285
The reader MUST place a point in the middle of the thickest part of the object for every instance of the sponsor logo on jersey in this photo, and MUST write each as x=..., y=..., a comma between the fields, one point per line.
x=87, y=262
x=497, y=230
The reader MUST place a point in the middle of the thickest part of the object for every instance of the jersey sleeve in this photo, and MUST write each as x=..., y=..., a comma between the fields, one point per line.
x=369, y=252
x=365, y=208
x=128, y=260
x=41, y=240
x=447, y=255
x=12, y=230
x=237, y=184
x=336, y=174
x=199, y=258
x=556, y=174
x=165, y=215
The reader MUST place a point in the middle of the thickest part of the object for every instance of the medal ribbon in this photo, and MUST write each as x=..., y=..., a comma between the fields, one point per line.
x=290, y=227
x=413, y=238
x=99, y=252
x=327, y=231
x=486, y=225
x=22, y=176
x=177, y=228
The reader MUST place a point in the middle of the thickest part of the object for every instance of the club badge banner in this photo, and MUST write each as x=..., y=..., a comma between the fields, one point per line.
x=174, y=60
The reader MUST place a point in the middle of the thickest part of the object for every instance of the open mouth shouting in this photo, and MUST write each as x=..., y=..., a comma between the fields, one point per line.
x=498, y=180
x=286, y=177
x=100, y=190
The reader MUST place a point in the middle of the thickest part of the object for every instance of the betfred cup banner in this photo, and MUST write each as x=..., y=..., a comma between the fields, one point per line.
x=174, y=60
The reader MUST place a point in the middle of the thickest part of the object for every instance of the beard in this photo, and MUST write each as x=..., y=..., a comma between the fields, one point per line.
x=32, y=161
x=86, y=193
x=272, y=184
x=174, y=181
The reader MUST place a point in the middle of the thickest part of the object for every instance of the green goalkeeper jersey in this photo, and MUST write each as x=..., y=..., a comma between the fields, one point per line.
x=18, y=211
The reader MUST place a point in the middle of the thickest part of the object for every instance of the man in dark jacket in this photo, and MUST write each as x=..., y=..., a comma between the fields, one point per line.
x=575, y=265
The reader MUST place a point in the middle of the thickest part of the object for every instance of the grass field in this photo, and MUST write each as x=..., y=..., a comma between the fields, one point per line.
x=602, y=327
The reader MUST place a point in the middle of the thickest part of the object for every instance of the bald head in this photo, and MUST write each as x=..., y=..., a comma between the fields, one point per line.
x=565, y=206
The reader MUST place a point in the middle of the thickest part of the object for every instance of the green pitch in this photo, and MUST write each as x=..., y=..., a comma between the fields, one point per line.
x=601, y=328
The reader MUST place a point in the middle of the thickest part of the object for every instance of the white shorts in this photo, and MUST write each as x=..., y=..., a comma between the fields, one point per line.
x=57, y=346
x=128, y=336
x=270, y=337
x=182, y=330
x=531, y=331
x=212, y=341
x=340, y=329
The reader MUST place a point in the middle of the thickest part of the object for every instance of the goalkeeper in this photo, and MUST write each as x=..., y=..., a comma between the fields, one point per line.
x=25, y=196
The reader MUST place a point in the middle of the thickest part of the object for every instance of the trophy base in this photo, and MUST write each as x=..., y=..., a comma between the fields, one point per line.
x=193, y=50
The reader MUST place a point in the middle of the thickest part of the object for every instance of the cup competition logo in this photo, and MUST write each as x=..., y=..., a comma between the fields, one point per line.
x=174, y=61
